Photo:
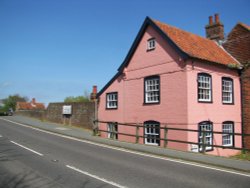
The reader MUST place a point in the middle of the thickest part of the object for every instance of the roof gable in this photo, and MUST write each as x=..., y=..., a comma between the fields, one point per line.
x=239, y=31
x=186, y=44
x=238, y=42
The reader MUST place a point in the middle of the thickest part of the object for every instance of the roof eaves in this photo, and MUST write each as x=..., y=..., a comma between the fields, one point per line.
x=149, y=21
x=135, y=44
x=108, y=84
x=179, y=50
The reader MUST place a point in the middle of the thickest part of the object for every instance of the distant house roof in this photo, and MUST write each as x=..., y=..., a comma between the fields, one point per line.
x=186, y=44
x=33, y=105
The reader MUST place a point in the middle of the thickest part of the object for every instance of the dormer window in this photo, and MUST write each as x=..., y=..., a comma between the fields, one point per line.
x=151, y=44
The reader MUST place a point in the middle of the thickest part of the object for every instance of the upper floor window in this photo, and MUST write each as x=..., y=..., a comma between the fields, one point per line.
x=152, y=132
x=227, y=90
x=204, y=87
x=227, y=139
x=152, y=89
x=151, y=44
x=112, y=100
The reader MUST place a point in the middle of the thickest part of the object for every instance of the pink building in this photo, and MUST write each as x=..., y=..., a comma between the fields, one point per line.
x=177, y=79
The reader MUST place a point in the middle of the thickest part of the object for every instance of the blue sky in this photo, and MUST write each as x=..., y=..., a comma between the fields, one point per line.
x=51, y=49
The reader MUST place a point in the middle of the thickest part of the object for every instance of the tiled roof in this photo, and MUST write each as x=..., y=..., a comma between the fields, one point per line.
x=244, y=25
x=238, y=42
x=196, y=46
x=30, y=106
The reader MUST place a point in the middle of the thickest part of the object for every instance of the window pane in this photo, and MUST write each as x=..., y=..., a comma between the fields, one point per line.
x=227, y=139
x=206, y=126
x=112, y=99
x=152, y=90
x=227, y=90
x=204, y=87
x=152, y=133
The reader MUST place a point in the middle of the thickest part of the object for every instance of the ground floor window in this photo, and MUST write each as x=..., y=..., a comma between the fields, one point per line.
x=227, y=139
x=112, y=129
x=207, y=137
x=152, y=132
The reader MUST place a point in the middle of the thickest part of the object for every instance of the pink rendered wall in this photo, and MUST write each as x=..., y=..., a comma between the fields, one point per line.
x=162, y=61
x=178, y=106
x=217, y=112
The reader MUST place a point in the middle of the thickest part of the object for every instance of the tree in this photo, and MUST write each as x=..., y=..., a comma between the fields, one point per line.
x=84, y=98
x=12, y=100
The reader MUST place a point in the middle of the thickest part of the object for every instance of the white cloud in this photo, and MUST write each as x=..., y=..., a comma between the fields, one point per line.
x=5, y=84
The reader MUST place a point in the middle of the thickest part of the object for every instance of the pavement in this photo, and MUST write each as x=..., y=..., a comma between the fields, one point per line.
x=223, y=162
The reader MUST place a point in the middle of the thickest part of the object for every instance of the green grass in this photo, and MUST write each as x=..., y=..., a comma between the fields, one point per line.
x=243, y=156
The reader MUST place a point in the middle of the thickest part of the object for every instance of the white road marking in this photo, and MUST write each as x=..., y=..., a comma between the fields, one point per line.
x=1, y=136
x=62, y=128
x=133, y=152
x=27, y=148
x=94, y=176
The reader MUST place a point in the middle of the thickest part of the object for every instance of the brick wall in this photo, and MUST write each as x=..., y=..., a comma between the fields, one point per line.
x=246, y=105
x=238, y=45
x=38, y=114
x=82, y=114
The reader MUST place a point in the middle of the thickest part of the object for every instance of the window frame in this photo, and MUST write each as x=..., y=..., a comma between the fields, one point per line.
x=146, y=102
x=232, y=90
x=230, y=135
x=205, y=123
x=111, y=126
x=149, y=47
x=210, y=100
x=107, y=101
x=154, y=134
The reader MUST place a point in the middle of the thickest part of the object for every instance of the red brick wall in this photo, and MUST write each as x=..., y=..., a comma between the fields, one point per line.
x=246, y=105
x=238, y=45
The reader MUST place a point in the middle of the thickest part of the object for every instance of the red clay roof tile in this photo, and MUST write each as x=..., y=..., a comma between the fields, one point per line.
x=197, y=46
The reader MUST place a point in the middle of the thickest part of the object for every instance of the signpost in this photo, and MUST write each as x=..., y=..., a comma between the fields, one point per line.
x=67, y=111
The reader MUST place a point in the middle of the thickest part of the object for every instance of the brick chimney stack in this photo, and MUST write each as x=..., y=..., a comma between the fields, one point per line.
x=210, y=20
x=215, y=30
x=94, y=93
x=33, y=101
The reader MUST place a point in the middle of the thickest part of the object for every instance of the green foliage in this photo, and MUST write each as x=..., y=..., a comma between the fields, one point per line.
x=12, y=100
x=76, y=99
x=84, y=98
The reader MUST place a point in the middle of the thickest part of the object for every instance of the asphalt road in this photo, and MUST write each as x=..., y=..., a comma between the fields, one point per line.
x=31, y=158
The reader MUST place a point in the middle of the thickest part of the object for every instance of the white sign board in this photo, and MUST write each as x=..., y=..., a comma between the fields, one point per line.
x=67, y=109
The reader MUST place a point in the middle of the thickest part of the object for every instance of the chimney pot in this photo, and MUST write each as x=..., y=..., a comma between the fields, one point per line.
x=33, y=100
x=94, y=93
x=210, y=20
x=217, y=18
x=94, y=89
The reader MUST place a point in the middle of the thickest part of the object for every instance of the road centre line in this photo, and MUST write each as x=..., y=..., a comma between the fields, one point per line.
x=27, y=148
x=94, y=176
x=133, y=152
